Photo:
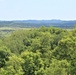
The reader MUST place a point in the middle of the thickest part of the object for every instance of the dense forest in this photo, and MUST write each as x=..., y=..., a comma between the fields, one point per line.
x=38, y=51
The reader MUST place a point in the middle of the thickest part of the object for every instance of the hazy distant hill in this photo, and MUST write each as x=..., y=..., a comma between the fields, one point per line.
x=38, y=23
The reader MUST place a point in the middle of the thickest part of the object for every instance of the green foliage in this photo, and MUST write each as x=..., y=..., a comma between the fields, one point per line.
x=58, y=68
x=4, y=56
x=33, y=64
x=66, y=49
x=13, y=66
x=42, y=51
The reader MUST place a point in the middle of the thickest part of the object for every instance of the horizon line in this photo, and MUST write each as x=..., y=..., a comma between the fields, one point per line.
x=37, y=19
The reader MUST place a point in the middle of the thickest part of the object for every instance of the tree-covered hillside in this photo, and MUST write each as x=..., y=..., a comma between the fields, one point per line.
x=42, y=51
x=38, y=23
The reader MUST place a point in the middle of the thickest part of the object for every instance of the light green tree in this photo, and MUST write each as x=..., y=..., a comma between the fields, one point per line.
x=58, y=67
x=13, y=66
x=33, y=64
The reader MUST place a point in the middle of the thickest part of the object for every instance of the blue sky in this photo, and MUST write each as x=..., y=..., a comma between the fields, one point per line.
x=37, y=9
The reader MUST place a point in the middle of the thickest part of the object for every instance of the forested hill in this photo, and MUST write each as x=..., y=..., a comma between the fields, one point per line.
x=38, y=23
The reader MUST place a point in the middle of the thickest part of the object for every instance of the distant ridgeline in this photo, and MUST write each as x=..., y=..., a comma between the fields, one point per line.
x=38, y=23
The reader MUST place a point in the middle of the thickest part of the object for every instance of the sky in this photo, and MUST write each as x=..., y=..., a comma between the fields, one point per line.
x=37, y=9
